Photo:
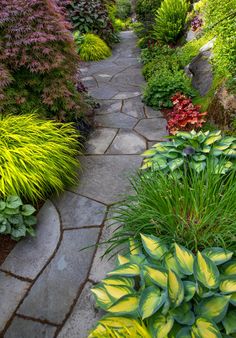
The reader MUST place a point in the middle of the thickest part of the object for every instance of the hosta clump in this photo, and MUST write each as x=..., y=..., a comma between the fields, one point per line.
x=176, y=293
x=16, y=218
x=193, y=150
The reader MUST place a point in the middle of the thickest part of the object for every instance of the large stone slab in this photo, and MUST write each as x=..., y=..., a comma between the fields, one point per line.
x=152, y=113
x=52, y=295
x=106, y=178
x=126, y=95
x=83, y=317
x=77, y=211
x=152, y=129
x=133, y=107
x=89, y=82
x=22, y=328
x=115, y=120
x=109, y=106
x=12, y=291
x=100, y=140
x=30, y=255
x=127, y=142
x=104, y=92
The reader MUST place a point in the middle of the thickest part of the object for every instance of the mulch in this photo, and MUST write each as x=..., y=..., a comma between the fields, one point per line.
x=6, y=245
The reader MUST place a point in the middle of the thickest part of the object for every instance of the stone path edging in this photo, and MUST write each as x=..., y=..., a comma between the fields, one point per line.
x=45, y=281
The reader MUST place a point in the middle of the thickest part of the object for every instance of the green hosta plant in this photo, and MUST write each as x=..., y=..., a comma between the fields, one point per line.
x=16, y=219
x=174, y=292
x=192, y=150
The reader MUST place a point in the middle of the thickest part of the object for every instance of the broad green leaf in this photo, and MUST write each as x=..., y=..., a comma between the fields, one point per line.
x=184, y=333
x=117, y=291
x=158, y=275
x=175, y=289
x=153, y=246
x=175, y=164
x=212, y=139
x=229, y=322
x=27, y=210
x=122, y=259
x=185, y=259
x=13, y=202
x=126, y=270
x=150, y=301
x=206, y=272
x=189, y=290
x=229, y=268
x=127, y=305
x=118, y=281
x=199, y=158
x=218, y=255
x=30, y=220
x=149, y=152
x=163, y=326
x=228, y=285
x=172, y=264
x=19, y=232
x=2, y=205
x=183, y=314
x=230, y=152
x=198, y=166
x=185, y=135
x=233, y=299
x=102, y=297
x=204, y=328
x=11, y=211
x=213, y=308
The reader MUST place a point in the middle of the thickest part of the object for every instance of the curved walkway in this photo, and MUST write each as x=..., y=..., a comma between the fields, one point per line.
x=45, y=282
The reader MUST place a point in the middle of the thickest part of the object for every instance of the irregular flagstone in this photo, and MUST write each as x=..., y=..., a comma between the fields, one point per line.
x=108, y=107
x=133, y=107
x=83, y=317
x=53, y=293
x=152, y=129
x=100, y=139
x=89, y=82
x=126, y=95
x=128, y=61
x=12, y=291
x=127, y=142
x=30, y=255
x=24, y=328
x=77, y=211
x=105, y=178
x=115, y=120
x=103, y=92
x=151, y=113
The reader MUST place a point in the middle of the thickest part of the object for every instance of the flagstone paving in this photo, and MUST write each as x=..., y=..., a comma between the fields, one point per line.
x=45, y=281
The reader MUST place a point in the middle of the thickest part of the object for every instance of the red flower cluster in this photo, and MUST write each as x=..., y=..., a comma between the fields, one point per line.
x=185, y=115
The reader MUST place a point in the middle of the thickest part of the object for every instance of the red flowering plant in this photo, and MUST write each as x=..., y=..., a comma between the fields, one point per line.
x=185, y=116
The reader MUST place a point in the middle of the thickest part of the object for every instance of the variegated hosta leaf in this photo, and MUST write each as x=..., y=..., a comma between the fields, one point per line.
x=213, y=308
x=152, y=298
x=229, y=322
x=162, y=326
x=171, y=263
x=184, y=333
x=218, y=255
x=118, y=281
x=206, y=272
x=158, y=275
x=127, y=305
x=228, y=285
x=233, y=299
x=189, y=290
x=102, y=297
x=205, y=328
x=153, y=246
x=134, y=247
x=229, y=268
x=212, y=139
x=126, y=270
x=117, y=291
x=175, y=289
x=185, y=259
x=183, y=314
x=122, y=259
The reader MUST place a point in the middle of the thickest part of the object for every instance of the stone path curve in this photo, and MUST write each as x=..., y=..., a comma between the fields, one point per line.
x=45, y=282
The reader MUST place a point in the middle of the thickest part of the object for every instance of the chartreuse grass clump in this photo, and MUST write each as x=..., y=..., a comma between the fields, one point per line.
x=38, y=157
x=91, y=47
x=170, y=291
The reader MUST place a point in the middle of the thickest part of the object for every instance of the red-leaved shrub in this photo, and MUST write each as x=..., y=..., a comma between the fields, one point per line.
x=38, y=59
x=185, y=116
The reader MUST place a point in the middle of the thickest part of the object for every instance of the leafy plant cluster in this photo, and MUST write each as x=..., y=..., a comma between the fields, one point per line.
x=193, y=150
x=185, y=116
x=16, y=218
x=123, y=9
x=91, y=47
x=171, y=291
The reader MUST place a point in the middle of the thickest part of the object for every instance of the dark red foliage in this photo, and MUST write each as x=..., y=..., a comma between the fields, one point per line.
x=196, y=23
x=185, y=116
x=36, y=44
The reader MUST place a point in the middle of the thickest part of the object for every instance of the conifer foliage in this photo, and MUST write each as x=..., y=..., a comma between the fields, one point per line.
x=38, y=60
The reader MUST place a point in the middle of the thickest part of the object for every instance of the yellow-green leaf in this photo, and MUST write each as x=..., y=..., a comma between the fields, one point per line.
x=206, y=271
x=134, y=247
x=158, y=275
x=229, y=268
x=204, y=328
x=218, y=255
x=122, y=259
x=153, y=246
x=126, y=270
x=229, y=322
x=102, y=297
x=118, y=281
x=185, y=259
x=233, y=299
x=151, y=300
x=117, y=291
x=172, y=264
x=127, y=305
x=189, y=290
x=228, y=285
x=163, y=326
x=175, y=289
x=213, y=308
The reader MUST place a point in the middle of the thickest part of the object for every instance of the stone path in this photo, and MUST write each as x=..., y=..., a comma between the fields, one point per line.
x=45, y=281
